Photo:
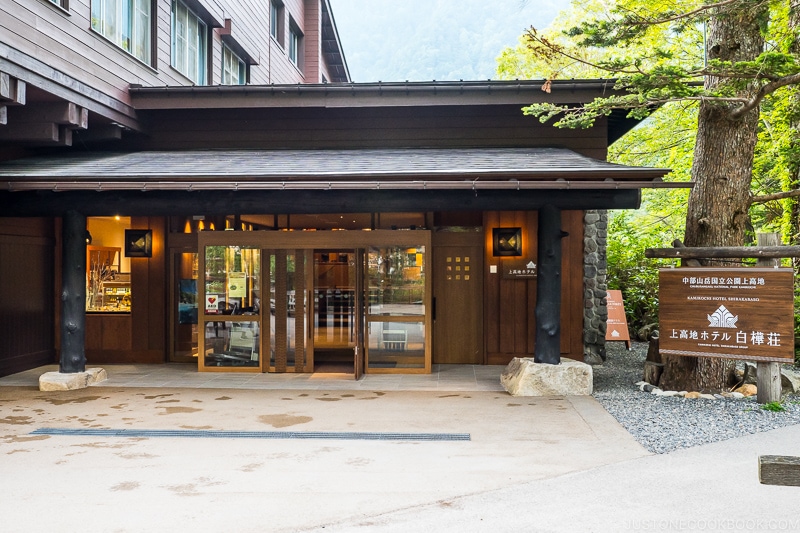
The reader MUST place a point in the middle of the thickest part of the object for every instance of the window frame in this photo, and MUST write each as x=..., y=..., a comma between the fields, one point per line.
x=200, y=53
x=277, y=15
x=295, y=46
x=228, y=57
x=132, y=20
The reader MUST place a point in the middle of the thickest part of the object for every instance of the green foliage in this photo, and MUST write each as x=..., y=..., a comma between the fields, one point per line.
x=775, y=407
x=628, y=269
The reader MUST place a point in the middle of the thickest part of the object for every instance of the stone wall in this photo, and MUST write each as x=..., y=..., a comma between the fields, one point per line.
x=594, y=286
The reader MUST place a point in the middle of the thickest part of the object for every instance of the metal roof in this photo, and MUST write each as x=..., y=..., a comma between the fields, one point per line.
x=397, y=168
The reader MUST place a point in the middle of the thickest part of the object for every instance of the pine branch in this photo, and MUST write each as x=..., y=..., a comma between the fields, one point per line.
x=762, y=198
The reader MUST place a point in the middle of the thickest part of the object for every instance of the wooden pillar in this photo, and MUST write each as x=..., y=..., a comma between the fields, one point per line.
x=768, y=375
x=73, y=294
x=548, y=287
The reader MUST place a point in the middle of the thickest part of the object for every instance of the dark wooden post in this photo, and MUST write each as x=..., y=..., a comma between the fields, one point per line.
x=73, y=294
x=548, y=287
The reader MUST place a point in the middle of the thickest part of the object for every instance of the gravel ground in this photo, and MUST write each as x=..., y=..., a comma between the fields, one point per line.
x=663, y=424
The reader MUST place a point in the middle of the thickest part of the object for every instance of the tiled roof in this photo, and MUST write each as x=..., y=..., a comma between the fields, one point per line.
x=315, y=169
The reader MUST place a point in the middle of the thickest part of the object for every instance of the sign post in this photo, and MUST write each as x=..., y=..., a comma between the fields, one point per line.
x=616, y=323
x=739, y=313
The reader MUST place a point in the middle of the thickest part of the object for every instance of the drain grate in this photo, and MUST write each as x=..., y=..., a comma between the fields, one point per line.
x=209, y=434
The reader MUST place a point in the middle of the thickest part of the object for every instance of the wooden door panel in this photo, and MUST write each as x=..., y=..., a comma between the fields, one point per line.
x=458, y=290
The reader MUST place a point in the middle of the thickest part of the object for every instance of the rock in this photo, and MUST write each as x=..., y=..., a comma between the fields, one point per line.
x=747, y=389
x=58, y=381
x=524, y=377
x=737, y=395
x=708, y=397
x=672, y=393
x=648, y=388
x=692, y=395
x=657, y=392
x=790, y=381
x=718, y=396
x=640, y=384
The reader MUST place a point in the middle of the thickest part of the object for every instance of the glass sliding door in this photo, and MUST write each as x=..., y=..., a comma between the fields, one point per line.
x=397, y=309
x=230, y=308
x=290, y=342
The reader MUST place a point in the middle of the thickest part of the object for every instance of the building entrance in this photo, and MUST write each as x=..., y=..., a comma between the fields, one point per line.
x=316, y=301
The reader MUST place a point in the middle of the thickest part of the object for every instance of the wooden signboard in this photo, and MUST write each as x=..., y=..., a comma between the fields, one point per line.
x=519, y=269
x=616, y=323
x=739, y=313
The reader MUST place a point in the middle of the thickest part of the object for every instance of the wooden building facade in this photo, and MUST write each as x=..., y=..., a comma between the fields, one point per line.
x=292, y=223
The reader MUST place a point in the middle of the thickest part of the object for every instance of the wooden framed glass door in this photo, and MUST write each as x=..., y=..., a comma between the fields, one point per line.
x=290, y=301
x=291, y=344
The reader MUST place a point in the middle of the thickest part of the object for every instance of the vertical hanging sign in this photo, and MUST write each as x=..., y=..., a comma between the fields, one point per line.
x=616, y=323
x=738, y=313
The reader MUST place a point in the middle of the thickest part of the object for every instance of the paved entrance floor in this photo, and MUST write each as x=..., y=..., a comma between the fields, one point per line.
x=442, y=377
x=530, y=464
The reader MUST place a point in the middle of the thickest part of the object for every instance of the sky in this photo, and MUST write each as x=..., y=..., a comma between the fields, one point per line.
x=424, y=40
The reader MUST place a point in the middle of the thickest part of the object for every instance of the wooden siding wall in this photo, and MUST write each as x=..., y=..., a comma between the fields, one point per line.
x=439, y=126
x=27, y=294
x=312, y=41
x=509, y=303
x=65, y=43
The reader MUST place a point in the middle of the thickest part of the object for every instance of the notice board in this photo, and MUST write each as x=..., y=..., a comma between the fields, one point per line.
x=739, y=313
x=616, y=323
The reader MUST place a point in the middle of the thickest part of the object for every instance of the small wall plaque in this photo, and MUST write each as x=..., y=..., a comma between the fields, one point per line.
x=138, y=243
x=506, y=242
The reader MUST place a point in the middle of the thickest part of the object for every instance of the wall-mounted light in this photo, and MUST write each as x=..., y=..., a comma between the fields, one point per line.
x=138, y=243
x=506, y=242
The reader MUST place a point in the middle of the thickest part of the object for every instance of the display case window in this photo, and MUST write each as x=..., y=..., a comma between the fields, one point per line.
x=108, y=277
x=231, y=280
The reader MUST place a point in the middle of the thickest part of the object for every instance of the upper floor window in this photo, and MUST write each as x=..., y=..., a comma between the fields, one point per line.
x=234, y=70
x=64, y=4
x=295, y=44
x=127, y=24
x=189, y=43
x=276, y=15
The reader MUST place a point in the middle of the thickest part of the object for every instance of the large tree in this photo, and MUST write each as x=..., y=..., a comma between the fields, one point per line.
x=750, y=53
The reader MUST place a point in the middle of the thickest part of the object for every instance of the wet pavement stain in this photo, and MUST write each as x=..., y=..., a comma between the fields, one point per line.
x=287, y=398
x=26, y=438
x=125, y=485
x=195, y=427
x=358, y=461
x=16, y=420
x=303, y=395
x=251, y=467
x=224, y=398
x=369, y=398
x=284, y=420
x=120, y=406
x=379, y=393
x=348, y=395
x=169, y=401
x=80, y=399
x=101, y=445
x=156, y=396
x=188, y=489
x=450, y=396
x=137, y=455
x=17, y=451
x=176, y=410
x=328, y=399
x=514, y=404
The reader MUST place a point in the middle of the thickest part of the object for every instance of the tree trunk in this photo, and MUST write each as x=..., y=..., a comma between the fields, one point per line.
x=73, y=294
x=547, y=348
x=717, y=213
